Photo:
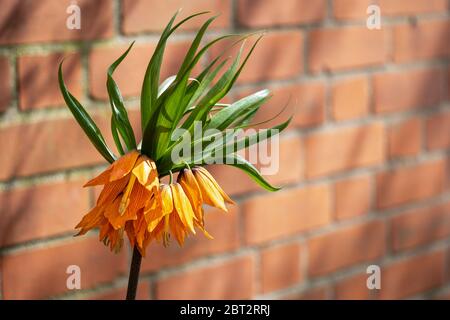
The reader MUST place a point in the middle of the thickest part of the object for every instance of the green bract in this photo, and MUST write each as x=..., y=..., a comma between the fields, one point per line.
x=179, y=102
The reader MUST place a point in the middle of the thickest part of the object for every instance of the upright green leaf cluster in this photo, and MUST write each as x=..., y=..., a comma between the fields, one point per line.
x=182, y=102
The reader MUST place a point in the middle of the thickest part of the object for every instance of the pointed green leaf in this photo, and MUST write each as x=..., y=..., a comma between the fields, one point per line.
x=119, y=113
x=150, y=85
x=84, y=120
x=228, y=115
x=237, y=161
x=116, y=137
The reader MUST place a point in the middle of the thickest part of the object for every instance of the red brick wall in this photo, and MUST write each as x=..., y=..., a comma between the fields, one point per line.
x=364, y=163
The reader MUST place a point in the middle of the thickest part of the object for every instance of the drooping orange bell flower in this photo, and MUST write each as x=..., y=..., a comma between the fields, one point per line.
x=176, y=217
x=132, y=200
x=131, y=187
x=182, y=205
x=212, y=194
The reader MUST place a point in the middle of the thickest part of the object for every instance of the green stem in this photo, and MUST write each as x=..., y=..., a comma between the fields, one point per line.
x=171, y=177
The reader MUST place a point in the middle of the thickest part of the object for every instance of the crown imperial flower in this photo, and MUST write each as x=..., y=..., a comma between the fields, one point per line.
x=133, y=201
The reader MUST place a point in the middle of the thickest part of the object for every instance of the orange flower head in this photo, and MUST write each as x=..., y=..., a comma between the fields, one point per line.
x=130, y=188
x=176, y=216
x=211, y=193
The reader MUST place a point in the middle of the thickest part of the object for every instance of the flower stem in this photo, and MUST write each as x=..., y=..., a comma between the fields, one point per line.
x=134, y=274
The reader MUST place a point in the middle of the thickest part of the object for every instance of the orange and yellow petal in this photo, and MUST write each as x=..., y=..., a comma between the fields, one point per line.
x=101, y=179
x=123, y=166
x=210, y=194
x=146, y=173
x=189, y=184
x=91, y=220
x=213, y=181
x=182, y=206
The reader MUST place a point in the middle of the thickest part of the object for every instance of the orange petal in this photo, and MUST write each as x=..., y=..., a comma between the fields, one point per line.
x=140, y=227
x=111, y=190
x=124, y=165
x=166, y=199
x=102, y=178
x=138, y=199
x=155, y=209
x=189, y=184
x=146, y=173
x=183, y=206
x=105, y=229
x=207, y=175
x=115, y=218
x=210, y=194
x=177, y=229
x=202, y=228
x=91, y=220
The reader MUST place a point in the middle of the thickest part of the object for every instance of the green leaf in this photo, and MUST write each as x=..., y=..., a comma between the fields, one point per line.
x=84, y=120
x=237, y=161
x=222, y=146
x=226, y=116
x=116, y=137
x=172, y=109
x=218, y=146
x=205, y=82
x=119, y=113
x=172, y=99
x=186, y=66
x=219, y=90
x=165, y=85
x=150, y=85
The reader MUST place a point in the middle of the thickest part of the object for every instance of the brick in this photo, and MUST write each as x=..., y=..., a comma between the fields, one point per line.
x=29, y=21
x=334, y=49
x=401, y=279
x=344, y=149
x=130, y=73
x=275, y=259
x=285, y=167
x=414, y=275
x=143, y=293
x=405, y=138
x=279, y=61
x=410, y=184
x=399, y=7
x=424, y=85
x=420, y=226
x=345, y=247
x=421, y=41
x=261, y=13
x=222, y=226
x=5, y=84
x=305, y=102
x=227, y=176
x=232, y=279
x=56, y=144
x=38, y=212
x=350, y=98
x=38, y=79
x=352, y=197
x=279, y=215
x=350, y=9
x=438, y=131
x=286, y=163
x=38, y=273
x=320, y=293
x=355, y=288
x=153, y=15
x=356, y=9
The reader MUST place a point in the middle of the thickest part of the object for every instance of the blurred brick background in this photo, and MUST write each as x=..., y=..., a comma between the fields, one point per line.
x=365, y=162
